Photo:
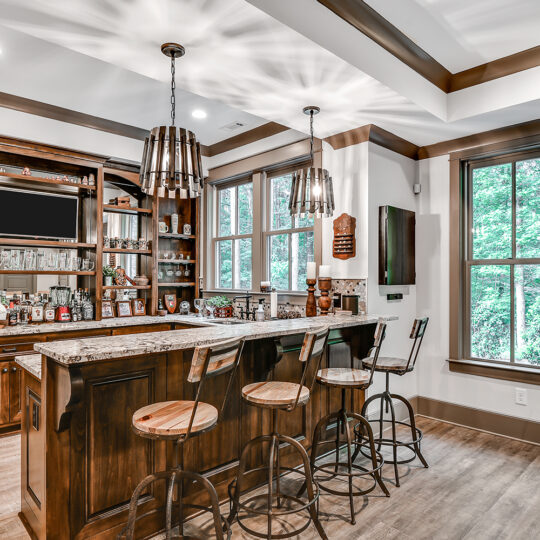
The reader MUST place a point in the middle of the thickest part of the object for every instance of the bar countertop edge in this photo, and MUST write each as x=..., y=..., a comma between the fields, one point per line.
x=78, y=351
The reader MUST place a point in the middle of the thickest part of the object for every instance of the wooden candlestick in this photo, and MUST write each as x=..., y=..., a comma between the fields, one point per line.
x=325, y=284
x=311, y=304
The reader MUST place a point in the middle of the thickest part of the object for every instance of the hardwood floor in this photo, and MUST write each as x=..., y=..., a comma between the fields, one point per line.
x=479, y=486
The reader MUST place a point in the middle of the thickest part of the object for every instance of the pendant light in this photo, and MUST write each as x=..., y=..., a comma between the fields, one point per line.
x=312, y=192
x=172, y=156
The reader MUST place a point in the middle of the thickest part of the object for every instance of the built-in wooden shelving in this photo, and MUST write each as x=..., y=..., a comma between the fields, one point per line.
x=176, y=261
x=173, y=236
x=177, y=284
x=140, y=287
x=123, y=210
x=44, y=243
x=50, y=272
x=43, y=180
x=128, y=251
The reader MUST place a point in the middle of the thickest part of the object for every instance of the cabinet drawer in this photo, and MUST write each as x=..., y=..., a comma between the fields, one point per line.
x=8, y=350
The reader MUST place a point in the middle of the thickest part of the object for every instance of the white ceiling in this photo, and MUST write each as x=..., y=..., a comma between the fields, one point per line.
x=461, y=34
x=246, y=61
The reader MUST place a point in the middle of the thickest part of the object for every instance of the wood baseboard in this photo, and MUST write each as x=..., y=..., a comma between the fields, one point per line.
x=490, y=422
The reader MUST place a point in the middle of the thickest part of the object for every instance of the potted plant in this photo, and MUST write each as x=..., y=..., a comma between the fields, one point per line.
x=222, y=305
x=109, y=274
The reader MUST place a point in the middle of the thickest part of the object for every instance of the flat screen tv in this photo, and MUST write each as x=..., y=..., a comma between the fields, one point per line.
x=396, y=246
x=38, y=215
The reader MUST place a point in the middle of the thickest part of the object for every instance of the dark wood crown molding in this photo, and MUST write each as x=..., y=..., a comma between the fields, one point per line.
x=494, y=70
x=54, y=112
x=373, y=25
x=381, y=137
x=247, y=137
x=365, y=19
x=376, y=135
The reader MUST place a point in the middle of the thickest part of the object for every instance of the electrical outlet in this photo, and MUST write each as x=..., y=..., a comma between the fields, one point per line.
x=521, y=396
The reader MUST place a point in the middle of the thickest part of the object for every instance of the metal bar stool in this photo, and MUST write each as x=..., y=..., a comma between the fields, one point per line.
x=276, y=395
x=177, y=421
x=397, y=366
x=347, y=379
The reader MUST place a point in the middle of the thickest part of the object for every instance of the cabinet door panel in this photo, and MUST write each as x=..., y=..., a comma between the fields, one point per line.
x=14, y=392
x=4, y=393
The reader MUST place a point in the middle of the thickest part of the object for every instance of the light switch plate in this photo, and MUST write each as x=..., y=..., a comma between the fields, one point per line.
x=521, y=396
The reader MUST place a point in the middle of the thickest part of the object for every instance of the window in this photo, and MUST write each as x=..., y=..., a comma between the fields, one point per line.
x=290, y=241
x=502, y=260
x=234, y=239
x=255, y=238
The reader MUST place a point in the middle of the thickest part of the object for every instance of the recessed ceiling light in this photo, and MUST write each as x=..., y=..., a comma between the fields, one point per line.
x=199, y=113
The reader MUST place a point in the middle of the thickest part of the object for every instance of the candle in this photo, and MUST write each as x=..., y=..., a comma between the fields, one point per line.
x=311, y=270
x=324, y=271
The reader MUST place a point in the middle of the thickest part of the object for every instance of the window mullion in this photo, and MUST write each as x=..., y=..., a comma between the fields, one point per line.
x=512, y=314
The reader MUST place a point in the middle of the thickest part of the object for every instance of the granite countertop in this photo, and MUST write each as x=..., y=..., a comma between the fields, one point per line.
x=46, y=328
x=30, y=362
x=78, y=351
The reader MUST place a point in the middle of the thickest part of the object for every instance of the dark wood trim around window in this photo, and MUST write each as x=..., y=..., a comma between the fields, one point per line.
x=509, y=150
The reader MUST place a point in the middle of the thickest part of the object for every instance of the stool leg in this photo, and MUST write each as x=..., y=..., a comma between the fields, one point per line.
x=413, y=429
x=168, y=508
x=363, y=414
x=322, y=423
x=338, y=431
x=309, y=482
x=242, y=465
x=278, y=474
x=349, y=466
x=394, y=439
x=214, y=501
x=372, y=451
x=270, y=482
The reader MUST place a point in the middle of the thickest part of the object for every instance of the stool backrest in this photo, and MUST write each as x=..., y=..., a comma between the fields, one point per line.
x=312, y=351
x=210, y=361
x=417, y=334
x=378, y=338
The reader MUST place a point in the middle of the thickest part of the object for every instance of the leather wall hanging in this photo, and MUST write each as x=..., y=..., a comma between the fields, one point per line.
x=344, y=245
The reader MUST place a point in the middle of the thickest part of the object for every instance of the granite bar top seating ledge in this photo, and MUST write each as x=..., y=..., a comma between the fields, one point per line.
x=79, y=351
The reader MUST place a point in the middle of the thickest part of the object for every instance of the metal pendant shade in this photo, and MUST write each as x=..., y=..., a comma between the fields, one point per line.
x=172, y=156
x=312, y=192
x=172, y=160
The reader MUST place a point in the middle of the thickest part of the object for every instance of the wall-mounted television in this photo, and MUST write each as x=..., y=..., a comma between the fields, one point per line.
x=396, y=246
x=38, y=214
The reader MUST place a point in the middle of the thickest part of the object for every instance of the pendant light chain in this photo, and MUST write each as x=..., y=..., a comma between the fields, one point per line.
x=311, y=135
x=173, y=90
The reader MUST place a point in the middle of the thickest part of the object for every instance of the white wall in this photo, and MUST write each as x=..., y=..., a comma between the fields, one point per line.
x=367, y=176
x=349, y=169
x=432, y=272
x=391, y=179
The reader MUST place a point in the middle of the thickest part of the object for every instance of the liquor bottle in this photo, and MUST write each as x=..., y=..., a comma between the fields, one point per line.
x=13, y=318
x=37, y=310
x=49, y=310
x=3, y=309
x=87, y=307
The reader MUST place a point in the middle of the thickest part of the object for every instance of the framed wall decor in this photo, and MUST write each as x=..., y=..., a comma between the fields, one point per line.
x=107, y=309
x=138, y=306
x=123, y=308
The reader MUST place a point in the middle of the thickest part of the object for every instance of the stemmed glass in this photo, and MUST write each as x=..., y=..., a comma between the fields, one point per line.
x=199, y=304
x=211, y=309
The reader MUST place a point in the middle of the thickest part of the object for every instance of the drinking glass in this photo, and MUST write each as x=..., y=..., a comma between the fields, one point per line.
x=15, y=260
x=4, y=259
x=41, y=261
x=52, y=260
x=199, y=304
x=62, y=262
x=187, y=271
x=211, y=310
x=88, y=265
x=29, y=259
x=75, y=264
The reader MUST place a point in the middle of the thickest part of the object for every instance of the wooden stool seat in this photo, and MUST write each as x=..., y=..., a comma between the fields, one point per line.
x=275, y=393
x=343, y=376
x=171, y=418
x=387, y=363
